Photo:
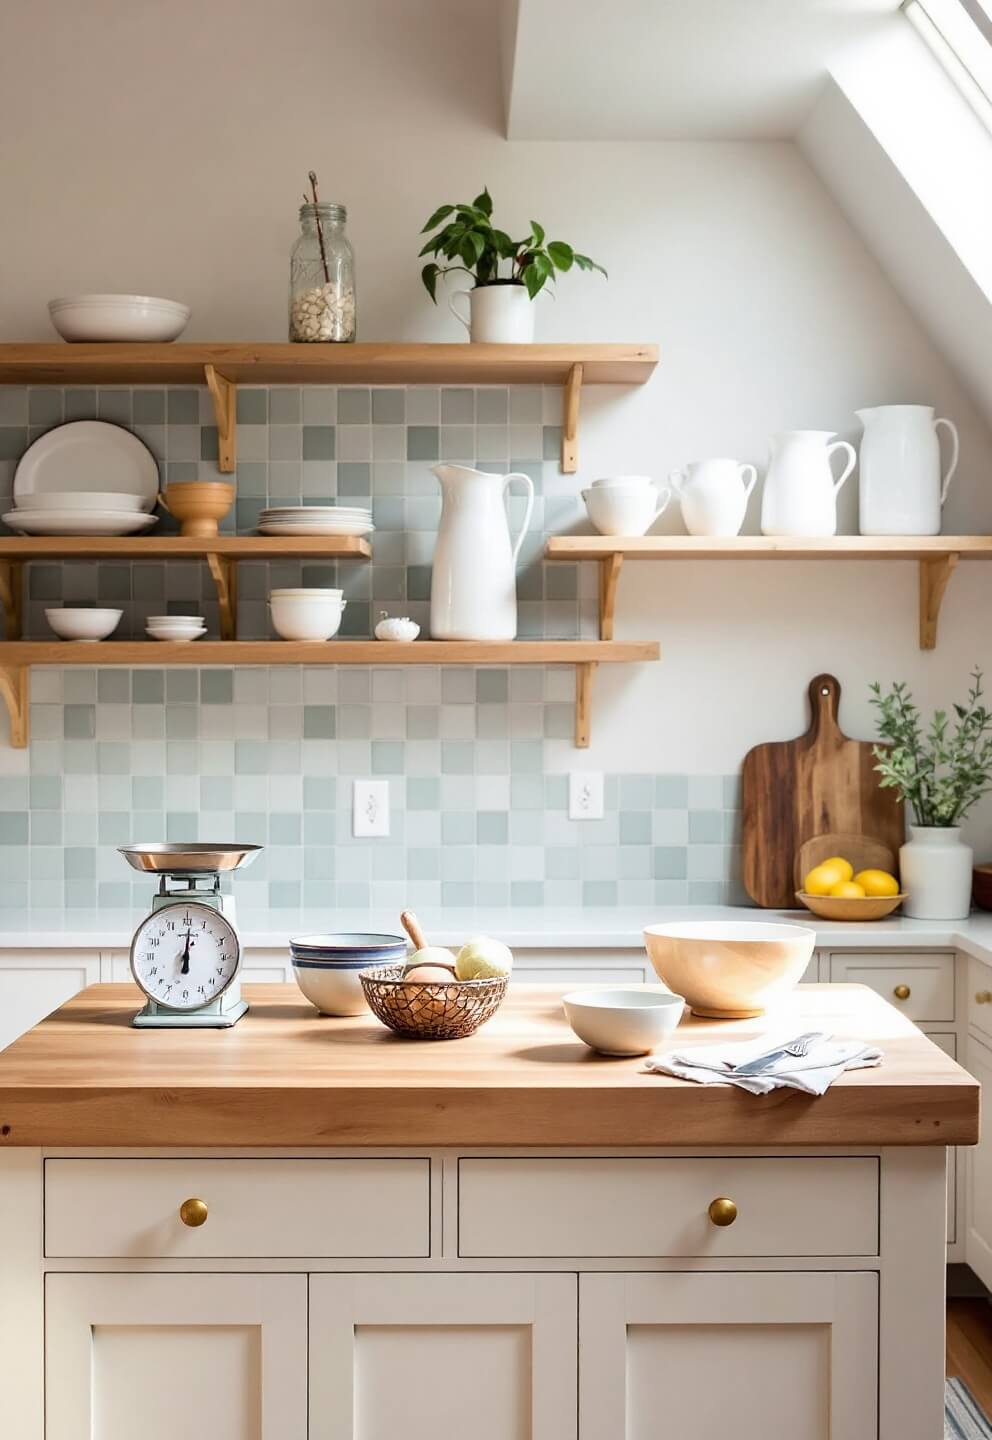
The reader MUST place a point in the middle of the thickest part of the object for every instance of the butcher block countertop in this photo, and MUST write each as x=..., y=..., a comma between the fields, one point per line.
x=284, y=1076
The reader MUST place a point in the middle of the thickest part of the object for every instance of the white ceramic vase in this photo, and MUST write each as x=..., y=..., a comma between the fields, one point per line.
x=714, y=495
x=935, y=867
x=800, y=495
x=901, y=489
x=497, y=314
x=474, y=581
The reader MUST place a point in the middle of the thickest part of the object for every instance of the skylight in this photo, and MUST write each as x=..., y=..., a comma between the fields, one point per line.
x=960, y=32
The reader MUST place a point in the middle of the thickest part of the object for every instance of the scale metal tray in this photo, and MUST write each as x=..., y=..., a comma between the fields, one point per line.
x=189, y=858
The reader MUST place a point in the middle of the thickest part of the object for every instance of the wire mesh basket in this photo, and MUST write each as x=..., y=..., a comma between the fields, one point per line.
x=431, y=1009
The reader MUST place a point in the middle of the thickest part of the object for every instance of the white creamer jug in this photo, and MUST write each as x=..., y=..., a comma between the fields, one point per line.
x=474, y=584
x=800, y=496
x=713, y=495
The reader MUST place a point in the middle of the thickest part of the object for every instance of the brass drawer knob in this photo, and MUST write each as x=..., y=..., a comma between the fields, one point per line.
x=722, y=1211
x=902, y=992
x=983, y=997
x=193, y=1213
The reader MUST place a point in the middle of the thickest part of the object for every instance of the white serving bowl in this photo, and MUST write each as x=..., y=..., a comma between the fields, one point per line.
x=89, y=501
x=623, y=1022
x=306, y=617
x=83, y=623
x=178, y=634
x=118, y=317
x=729, y=969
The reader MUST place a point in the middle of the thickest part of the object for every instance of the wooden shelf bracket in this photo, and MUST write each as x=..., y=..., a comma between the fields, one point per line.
x=15, y=690
x=11, y=596
x=583, y=703
x=934, y=575
x=609, y=574
x=224, y=394
x=570, y=421
x=225, y=574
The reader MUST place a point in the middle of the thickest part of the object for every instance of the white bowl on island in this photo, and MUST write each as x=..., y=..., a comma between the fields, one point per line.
x=729, y=969
x=623, y=1022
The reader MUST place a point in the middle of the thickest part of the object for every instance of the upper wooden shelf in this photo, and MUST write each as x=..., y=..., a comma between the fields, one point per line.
x=937, y=556
x=224, y=366
x=180, y=547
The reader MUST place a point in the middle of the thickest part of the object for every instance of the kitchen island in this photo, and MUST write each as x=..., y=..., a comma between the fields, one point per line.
x=310, y=1222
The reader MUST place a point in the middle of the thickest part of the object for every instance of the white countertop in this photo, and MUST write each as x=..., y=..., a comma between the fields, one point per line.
x=588, y=929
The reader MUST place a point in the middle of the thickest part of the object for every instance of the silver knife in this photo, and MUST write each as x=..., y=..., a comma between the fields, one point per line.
x=798, y=1047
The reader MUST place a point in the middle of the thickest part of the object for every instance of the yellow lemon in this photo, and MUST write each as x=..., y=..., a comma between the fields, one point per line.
x=877, y=882
x=822, y=878
x=837, y=862
x=848, y=890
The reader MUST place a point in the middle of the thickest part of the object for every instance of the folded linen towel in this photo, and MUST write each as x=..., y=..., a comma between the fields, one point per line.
x=813, y=1073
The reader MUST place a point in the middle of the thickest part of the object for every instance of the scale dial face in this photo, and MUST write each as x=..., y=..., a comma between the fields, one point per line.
x=185, y=956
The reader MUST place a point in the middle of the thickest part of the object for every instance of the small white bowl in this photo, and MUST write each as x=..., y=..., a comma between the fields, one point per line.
x=622, y=482
x=83, y=623
x=118, y=317
x=298, y=617
x=307, y=592
x=623, y=1022
x=333, y=992
x=88, y=501
x=179, y=635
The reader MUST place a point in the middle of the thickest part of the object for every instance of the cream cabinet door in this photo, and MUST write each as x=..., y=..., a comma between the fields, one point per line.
x=33, y=984
x=204, y=1357
x=978, y=1205
x=712, y=1356
x=492, y=1357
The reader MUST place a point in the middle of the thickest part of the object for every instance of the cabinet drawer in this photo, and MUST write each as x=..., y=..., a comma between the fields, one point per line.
x=607, y=1208
x=979, y=1007
x=277, y=1208
x=929, y=979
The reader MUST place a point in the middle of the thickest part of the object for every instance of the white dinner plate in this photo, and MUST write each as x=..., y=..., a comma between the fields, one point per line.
x=87, y=455
x=78, y=522
x=319, y=519
x=356, y=528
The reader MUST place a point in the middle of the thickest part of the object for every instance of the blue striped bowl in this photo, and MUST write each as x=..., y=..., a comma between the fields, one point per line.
x=327, y=967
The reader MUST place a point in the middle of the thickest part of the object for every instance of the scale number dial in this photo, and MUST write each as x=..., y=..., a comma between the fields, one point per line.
x=185, y=956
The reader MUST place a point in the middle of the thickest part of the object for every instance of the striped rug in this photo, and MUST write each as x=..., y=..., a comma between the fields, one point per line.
x=963, y=1420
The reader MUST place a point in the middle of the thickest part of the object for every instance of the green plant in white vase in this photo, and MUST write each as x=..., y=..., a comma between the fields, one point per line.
x=940, y=773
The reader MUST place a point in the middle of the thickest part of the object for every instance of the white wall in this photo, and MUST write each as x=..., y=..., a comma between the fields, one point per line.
x=164, y=147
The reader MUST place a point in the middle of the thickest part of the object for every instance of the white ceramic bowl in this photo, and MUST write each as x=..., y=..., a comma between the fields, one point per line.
x=192, y=622
x=85, y=500
x=729, y=969
x=178, y=634
x=625, y=510
x=623, y=1022
x=83, y=623
x=306, y=594
x=306, y=617
x=118, y=317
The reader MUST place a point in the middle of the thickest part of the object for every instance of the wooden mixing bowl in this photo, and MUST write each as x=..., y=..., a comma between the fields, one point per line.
x=198, y=505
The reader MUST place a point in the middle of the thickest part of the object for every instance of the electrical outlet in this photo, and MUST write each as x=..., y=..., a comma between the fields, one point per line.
x=370, y=808
x=585, y=795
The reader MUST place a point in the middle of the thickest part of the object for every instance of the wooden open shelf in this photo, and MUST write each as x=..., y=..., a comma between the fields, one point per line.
x=224, y=366
x=18, y=656
x=937, y=556
x=221, y=552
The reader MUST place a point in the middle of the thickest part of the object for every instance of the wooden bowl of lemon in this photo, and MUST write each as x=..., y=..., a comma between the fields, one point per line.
x=847, y=877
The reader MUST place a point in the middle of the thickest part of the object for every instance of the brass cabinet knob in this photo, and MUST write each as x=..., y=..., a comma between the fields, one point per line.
x=983, y=997
x=722, y=1211
x=902, y=992
x=193, y=1213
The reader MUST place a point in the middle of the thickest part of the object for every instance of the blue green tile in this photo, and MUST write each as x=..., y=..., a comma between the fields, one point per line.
x=422, y=443
x=318, y=442
x=635, y=827
x=387, y=757
x=669, y=863
x=13, y=827
x=319, y=792
x=147, y=407
x=458, y=827
x=492, y=827
x=285, y=828
x=183, y=407
x=423, y=793
x=319, y=722
x=705, y=827
x=671, y=792
x=148, y=687
x=253, y=406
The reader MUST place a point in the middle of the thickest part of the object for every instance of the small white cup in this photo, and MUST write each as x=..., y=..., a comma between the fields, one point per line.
x=625, y=510
x=299, y=617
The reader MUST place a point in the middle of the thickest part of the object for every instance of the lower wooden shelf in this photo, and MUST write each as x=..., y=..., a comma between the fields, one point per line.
x=17, y=657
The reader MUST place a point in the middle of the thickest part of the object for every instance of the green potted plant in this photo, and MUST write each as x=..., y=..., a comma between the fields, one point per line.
x=940, y=774
x=507, y=274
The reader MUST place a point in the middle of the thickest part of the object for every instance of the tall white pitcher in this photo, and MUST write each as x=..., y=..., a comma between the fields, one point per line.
x=474, y=584
x=901, y=487
x=800, y=495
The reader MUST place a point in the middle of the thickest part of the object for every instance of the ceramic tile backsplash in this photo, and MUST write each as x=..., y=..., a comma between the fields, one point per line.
x=270, y=755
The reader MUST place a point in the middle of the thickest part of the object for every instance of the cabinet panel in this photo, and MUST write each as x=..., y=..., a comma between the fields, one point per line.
x=979, y=1001
x=578, y=975
x=948, y=1042
x=204, y=1357
x=423, y=1356
x=978, y=1204
x=620, y=1208
x=927, y=977
x=718, y=1355
x=33, y=985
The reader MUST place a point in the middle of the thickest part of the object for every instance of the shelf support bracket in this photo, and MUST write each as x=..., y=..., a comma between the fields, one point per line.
x=570, y=421
x=15, y=691
x=225, y=575
x=609, y=574
x=934, y=575
x=583, y=703
x=11, y=596
x=224, y=394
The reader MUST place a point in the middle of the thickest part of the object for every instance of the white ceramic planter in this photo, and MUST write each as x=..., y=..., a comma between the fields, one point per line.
x=498, y=314
x=935, y=866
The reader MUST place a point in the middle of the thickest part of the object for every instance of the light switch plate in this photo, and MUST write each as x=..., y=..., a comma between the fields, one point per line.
x=370, y=808
x=585, y=795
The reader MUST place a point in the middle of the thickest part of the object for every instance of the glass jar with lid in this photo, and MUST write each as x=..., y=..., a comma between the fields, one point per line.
x=322, y=277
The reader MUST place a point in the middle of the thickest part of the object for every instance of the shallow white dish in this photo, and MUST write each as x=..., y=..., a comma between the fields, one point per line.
x=88, y=456
x=298, y=617
x=85, y=502
x=83, y=622
x=180, y=635
x=78, y=522
x=623, y=1022
x=345, y=528
x=118, y=317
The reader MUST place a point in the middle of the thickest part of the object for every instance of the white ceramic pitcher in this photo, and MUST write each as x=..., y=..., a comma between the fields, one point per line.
x=497, y=314
x=800, y=496
x=474, y=584
x=901, y=488
x=713, y=495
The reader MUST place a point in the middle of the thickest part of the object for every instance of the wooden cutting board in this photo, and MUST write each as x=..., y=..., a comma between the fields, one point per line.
x=794, y=790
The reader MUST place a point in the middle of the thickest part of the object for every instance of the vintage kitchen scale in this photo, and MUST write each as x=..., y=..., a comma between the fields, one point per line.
x=186, y=954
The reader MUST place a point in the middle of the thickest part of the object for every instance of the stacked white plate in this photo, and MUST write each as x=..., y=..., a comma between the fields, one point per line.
x=316, y=520
x=85, y=478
